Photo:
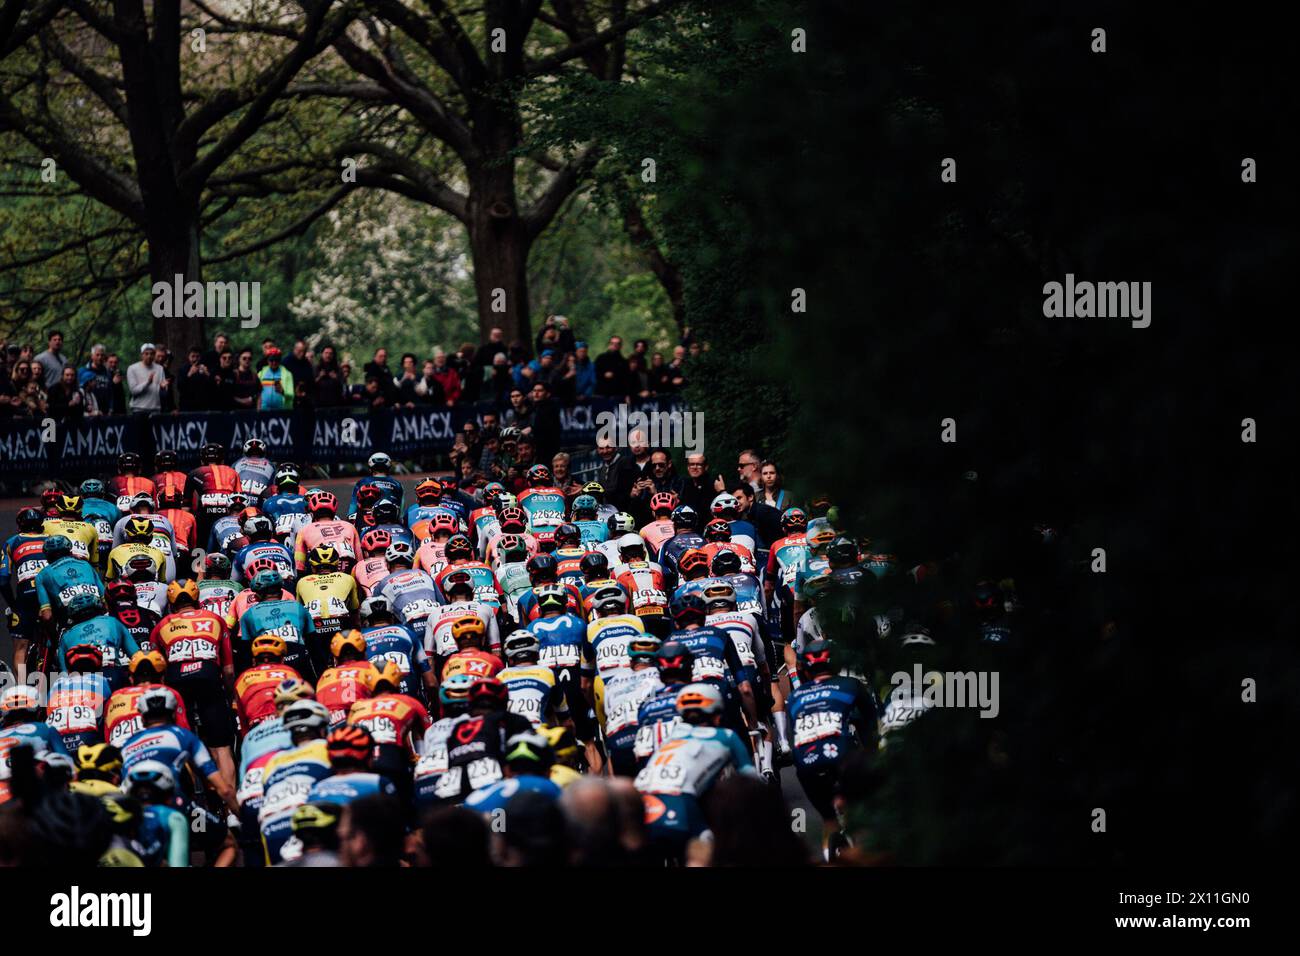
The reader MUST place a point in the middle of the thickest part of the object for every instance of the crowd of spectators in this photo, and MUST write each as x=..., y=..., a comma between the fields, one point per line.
x=520, y=382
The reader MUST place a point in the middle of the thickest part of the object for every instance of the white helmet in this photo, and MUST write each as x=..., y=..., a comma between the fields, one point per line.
x=723, y=503
x=629, y=541
x=305, y=713
x=379, y=459
x=151, y=773
x=399, y=550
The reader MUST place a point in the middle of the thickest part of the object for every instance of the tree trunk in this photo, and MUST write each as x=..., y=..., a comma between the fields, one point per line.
x=638, y=230
x=173, y=251
x=499, y=245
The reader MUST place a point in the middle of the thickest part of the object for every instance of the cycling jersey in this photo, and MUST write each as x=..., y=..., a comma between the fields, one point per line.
x=40, y=736
x=656, y=533
x=483, y=527
x=392, y=719
x=786, y=557
x=287, y=779
x=120, y=556
x=528, y=610
x=343, y=788
x=475, y=747
x=746, y=555
x=255, y=474
x=433, y=760
x=217, y=594
x=656, y=717
x=339, y=534
x=644, y=583
x=492, y=799
x=288, y=510
x=226, y=535
x=184, y=527
x=533, y=692
x=714, y=656
x=682, y=770
x=163, y=836
x=175, y=746
x=166, y=481
x=257, y=748
x=152, y=596
x=122, y=488
x=486, y=587
x=394, y=643
x=388, y=486
x=75, y=708
x=164, y=535
x=411, y=594
x=592, y=532
x=84, y=537
x=672, y=550
x=438, y=642
x=269, y=555
x=473, y=662
x=745, y=633
x=342, y=686
x=512, y=576
x=606, y=647
x=107, y=633
x=21, y=559
x=618, y=698
x=369, y=572
x=545, y=507
x=563, y=639
x=122, y=719
x=568, y=565
x=102, y=516
x=829, y=718
x=329, y=599
x=208, y=489
x=195, y=643
x=255, y=693
x=60, y=582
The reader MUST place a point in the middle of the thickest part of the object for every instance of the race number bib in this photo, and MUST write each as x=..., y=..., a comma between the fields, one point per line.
x=556, y=656
x=809, y=728
x=483, y=772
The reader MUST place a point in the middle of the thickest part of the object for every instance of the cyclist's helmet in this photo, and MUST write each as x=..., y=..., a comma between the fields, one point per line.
x=513, y=547
x=842, y=551
x=350, y=744
x=20, y=702
x=258, y=527
x=400, y=552
x=368, y=495
x=689, y=607
x=621, y=523
x=717, y=530
x=147, y=664
x=83, y=606
x=375, y=607
x=120, y=593
x=459, y=582
x=468, y=631
x=609, y=600
x=137, y=529
x=458, y=546
x=31, y=520
x=528, y=752
x=523, y=646
x=385, y=511
x=793, y=520
x=376, y=540
x=725, y=506
x=584, y=508
x=216, y=566
x=684, y=518
x=542, y=567
x=453, y=693
x=674, y=661
x=726, y=562
x=156, y=702
x=255, y=446
x=631, y=547
x=430, y=489
x=49, y=499
x=319, y=815
x=322, y=501
x=443, y=523
x=489, y=692
x=349, y=643
x=267, y=582
x=595, y=489
x=183, y=591
x=128, y=462
x=513, y=520
x=491, y=492
x=93, y=488
x=539, y=476
x=663, y=503
x=166, y=460
x=269, y=645
x=322, y=558
x=644, y=648
x=699, y=699
x=379, y=463
x=141, y=567
x=594, y=566
x=305, y=715
x=87, y=656
x=506, y=499
x=720, y=597
x=816, y=659
x=68, y=506
x=694, y=563
x=292, y=689
x=567, y=535
x=150, y=777
x=212, y=453
x=98, y=759
x=286, y=476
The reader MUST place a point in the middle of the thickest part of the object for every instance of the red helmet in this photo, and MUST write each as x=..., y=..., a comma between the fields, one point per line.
x=717, y=530
x=376, y=539
x=444, y=522
x=322, y=501
x=350, y=742
x=490, y=690
x=85, y=653
x=367, y=495
x=514, y=520
x=663, y=501
x=258, y=565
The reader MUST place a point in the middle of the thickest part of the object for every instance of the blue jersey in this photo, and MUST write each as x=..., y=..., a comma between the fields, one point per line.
x=225, y=535
x=346, y=787
x=163, y=836
x=562, y=639
x=672, y=549
x=266, y=737
x=411, y=594
x=655, y=720
x=288, y=510
x=545, y=509
x=395, y=643
x=60, y=582
x=103, y=516
x=829, y=718
x=175, y=746
x=749, y=596
x=714, y=658
x=109, y=635
x=593, y=532
x=389, y=488
x=691, y=760
x=398, y=532
x=272, y=551
x=75, y=708
x=495, y=796
x=287, y=619
x=40, y=736
x=255, y=474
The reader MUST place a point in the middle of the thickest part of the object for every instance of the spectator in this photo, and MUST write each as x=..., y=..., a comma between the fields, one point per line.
x=593, y=821
x=52, y=361
x=697, y=488
x=299, y=367
x=196, y=387
x=765, y=519
x=491, y=445
x=494, y=346
x=611, y=370
x=747, y=465
x=641, y=349
x=447, y=376
x=330, y=384
x=223, y=380
x=374, y=394
x=428, y=390
x=660, y=375
x=751, y=826
x=167, y=393
x=277, y=389
x=371, y=833
x=771, y=490
x=547, y=430
x=67, y=402
x=407, y=381
x=247, y=387
x=378, y=367
x=612, y=459
x=535, y=833
x=470, y=433
x=677, y=369
x=97, y=381
x=144, y=381
x=114, y=364
x=638, y=378
x=471, y=375
x=34, y=399
x=662, y=477
x=585, y=372
x=560, y=471
x=502, y=381
x=635, y=473
x=220, y=343
x=519, y=414
x=15, y=391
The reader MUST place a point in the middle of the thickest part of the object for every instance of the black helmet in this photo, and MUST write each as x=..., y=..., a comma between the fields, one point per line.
x=541, y=567
x=128, y=461
x=385, y=511
x=684, y=517
x=458, y=544
x=56, y=546
x=594, y=564
x=31, y=519
x=212, y=453
x=726, y=562
x=816, y=659
x=165, y=460
x=689, y=606
x=674, y=660
x=567, y=535
x=842, y=551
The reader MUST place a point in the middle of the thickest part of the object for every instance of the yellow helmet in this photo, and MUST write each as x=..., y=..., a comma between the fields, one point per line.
x=291, y=689
x=100, y=758
x=352, y=639
x=323, y=556
x=182, y=587
x=389, y=674
x=137, y=527
x=272, y=644
x=153, y=659
x=68, y=504
x=563, y=743
x=470, y=624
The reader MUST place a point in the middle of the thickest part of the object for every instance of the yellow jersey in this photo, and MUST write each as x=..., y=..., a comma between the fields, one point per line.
x=82, y=534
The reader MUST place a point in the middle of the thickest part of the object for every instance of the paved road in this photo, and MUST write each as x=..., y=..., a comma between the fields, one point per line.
x=793, y=793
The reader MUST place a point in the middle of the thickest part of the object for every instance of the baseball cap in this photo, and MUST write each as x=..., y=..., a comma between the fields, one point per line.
x=579, y=345
x=546, y=352
x=148, y=347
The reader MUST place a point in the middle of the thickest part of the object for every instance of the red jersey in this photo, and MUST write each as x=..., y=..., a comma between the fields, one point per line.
x=342, y=686
x=644, y=583
x=128, y=486
x=255, y=693
x=121, y=719
x=194, y=642
x=391, y=719
x=474, y=662
x=208, y=489
x=184, y=526
x=747, y=563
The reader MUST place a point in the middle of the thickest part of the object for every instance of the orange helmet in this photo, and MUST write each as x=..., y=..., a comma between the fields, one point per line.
x=471, y=625
x=350, y=742
x=272, y=644
x=352, y=639
x=181, y=587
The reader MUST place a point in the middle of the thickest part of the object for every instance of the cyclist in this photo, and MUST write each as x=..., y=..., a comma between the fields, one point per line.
x=595, y=575
x=388, y=642
x=75, y=707
x=69, y=523
x=330, y=597
x=620, y=525
x=22, y=558
x=396, y=722
x=99, y=770
x=619, y=694
x=562, y=636
x=409, y=591
x=431, y=555
x=171, y=502
x=718, y=538
x=584, y=514
x=227, y=532
x=262, y=743
x=543, y=502
x=567, y=768
x=256, y=687
x=350, y=750
x=604, y=510
x=350, y=679
x=287, y=505
x=656, y=715
x=326, y=529
x=483, y=521
x=608, y=633
x=128, y=482
x=716, y=660
x=528, y=761
x=512, y=571
x=164, y=831
x=315, y=829
x=208, y=488
x=89, y=623
x=833, y=715
x=469, y=657
x=138, y=539
x=476, y=746
x=531, y=686
x=21, y=724
x=381, y=466
x=122, y=714
x=697, y=753
x=263, y=552
x=685, y=537
x=439, y=644
x=373, y=566
x=460, y=560
x=726, y=507
x=103, y=514
x=747, y=637
x=453, y=701
x=643, y=580
x=569, y=552
x=543, y=571
x=289, y=775
x=272, y=610
x=168, y=474
x=217, y=590
x=428, y=505
x=255, y=470
x=63, y=578
x=661, y=529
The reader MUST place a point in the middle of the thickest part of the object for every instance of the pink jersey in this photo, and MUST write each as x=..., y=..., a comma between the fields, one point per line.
x=432, y=555
x=657, y=532
x=370, y=571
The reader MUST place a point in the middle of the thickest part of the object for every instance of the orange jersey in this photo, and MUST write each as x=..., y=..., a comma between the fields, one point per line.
x=125, y=487
x=474, y=662
x=255, y=692
x=342, y=686
x=170, y=480
x=195, y=643
x=341, y=534
x=184, y=526
x=391, y=719
x=121, y=719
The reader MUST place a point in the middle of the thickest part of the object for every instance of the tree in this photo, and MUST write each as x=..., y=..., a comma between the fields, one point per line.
x=108, y=96
x=459, y=76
